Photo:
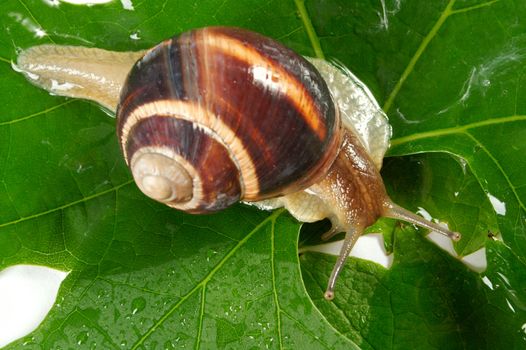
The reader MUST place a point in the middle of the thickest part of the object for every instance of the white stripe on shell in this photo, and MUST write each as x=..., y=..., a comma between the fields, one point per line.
x=208, y=122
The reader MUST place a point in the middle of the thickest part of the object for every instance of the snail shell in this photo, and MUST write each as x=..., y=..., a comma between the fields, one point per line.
x=219, y=114
x=239, y=116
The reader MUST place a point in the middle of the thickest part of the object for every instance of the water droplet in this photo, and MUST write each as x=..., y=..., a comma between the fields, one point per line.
x=135, y=36
x=101, y=293
x=138, y=304
x=82, y=337
x=169, y=345
x=210, y=254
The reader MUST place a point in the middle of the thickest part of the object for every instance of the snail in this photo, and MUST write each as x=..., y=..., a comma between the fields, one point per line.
x=218, y=115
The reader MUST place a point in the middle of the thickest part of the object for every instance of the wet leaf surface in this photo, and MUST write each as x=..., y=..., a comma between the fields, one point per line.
x=448, y=74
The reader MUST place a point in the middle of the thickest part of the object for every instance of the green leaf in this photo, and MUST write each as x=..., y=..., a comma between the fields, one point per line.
x=440, y=184
x=448, y=73
x=426, y=300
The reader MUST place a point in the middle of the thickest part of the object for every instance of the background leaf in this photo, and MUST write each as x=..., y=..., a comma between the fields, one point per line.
x=448, y=73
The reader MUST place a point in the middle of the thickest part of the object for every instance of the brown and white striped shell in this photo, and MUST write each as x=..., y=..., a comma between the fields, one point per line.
x=220, y=114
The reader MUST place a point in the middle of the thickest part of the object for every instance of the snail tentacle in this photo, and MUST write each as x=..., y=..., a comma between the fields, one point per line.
x=395, y=211
x=351, y=237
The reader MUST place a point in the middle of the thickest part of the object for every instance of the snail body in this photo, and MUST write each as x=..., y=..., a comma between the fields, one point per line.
x=218, y=115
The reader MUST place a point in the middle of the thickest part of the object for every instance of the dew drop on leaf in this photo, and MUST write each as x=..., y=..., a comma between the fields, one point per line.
x=82, y=337
x=138, y=304
x=169, y=345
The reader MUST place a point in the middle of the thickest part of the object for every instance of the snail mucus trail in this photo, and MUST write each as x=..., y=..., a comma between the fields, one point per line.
x=219, y=114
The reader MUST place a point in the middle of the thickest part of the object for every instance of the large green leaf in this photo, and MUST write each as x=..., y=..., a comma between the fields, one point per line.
x=448, y=73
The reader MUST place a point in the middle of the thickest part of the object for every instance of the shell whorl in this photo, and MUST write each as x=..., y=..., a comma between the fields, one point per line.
x=162, y=177
x=243, y=116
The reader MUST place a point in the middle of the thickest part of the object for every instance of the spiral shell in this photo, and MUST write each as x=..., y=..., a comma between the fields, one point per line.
x=231, y=113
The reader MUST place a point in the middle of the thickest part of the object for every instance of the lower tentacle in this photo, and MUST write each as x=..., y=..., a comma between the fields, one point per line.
x=350, y=240
x=333, y=231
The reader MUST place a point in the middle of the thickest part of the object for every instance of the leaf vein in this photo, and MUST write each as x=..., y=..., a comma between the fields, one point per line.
x=103, y=255
x=102, y=331
x=34, y=19
x=497, y=164
x=306, y=330
x=307, y=23
x=201, y=317
x=284, y=36
x=131, y=286
x=274, y=288
x=207, y=278
x=420, y=50
x=456, y=129
x=65, y=206
x=322, y=290
x=8, y=155
x=50, y=109
x=474, y=7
